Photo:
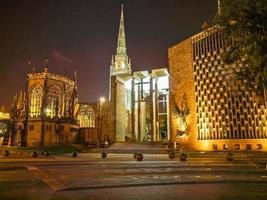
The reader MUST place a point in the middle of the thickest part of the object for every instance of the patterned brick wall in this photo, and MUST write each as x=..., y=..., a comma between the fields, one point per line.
x=221, y=107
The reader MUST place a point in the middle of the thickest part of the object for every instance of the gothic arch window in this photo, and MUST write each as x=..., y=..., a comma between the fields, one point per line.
x=86, y=117
x=36, y=94
x=54, y=102
x=68, y=101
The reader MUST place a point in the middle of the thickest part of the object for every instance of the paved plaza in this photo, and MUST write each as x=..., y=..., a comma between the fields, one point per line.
x=119, y=176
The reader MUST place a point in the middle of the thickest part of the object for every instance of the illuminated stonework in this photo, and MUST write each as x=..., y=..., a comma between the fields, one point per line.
x=138, y=99
x=44, y=114
x=86, y=116
x=223, y=113
x=121, y=64
x=4, y=115
x=225, y=108
x=4, y=127
x=36, y=96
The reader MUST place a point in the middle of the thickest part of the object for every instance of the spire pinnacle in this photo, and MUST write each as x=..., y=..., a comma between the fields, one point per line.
x=75, y=75
x=31, y=66
x=120, y=62
x=46, y=65
x=219, y=6
x=121, y=46
x=75, y=79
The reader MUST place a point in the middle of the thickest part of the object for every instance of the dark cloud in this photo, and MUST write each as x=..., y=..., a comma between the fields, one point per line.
x=62, y=58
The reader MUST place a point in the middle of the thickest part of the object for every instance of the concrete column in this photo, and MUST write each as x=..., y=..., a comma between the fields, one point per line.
x=133, y=111
x=168, y=117
x=154, y=113
x=138, y=114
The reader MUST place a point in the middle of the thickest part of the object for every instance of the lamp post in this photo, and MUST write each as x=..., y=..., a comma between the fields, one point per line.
x=101, y=101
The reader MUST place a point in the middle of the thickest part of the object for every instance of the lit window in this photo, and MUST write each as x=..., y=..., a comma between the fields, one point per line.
x=36, y=95
x=225, y=147
x=237, y=146
x=54, y=102
x=86, y=116
x=259, y=146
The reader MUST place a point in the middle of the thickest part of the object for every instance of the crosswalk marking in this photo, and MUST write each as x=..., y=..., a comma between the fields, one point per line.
x=47, y=178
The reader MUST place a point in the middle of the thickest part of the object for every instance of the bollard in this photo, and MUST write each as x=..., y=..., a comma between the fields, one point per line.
x=135, y=155
x=171, y=154
x=229, y=156
x=46, y=153
x=139, y=157
x=74, y=154
x=104, y=155
x=183, y=157
x=6, y=153
x=34, y=154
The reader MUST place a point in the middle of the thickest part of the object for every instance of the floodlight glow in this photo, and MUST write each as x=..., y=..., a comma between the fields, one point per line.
x=102, y=99
x=128, y=84
x=163, y=82
x=47, y=110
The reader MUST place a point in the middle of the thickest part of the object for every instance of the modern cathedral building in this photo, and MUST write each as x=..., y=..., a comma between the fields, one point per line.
x=211, y=110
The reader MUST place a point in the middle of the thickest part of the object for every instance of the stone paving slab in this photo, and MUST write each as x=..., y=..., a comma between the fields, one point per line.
x=14, y=175
x=100, y=176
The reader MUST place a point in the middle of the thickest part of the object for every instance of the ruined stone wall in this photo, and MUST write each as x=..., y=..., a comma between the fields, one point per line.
x=109, y=114
x=34, y=133
x=120, y=112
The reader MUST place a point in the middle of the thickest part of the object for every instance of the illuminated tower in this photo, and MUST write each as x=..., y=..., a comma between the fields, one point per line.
x=120, y=71
x=219, y=6
x=120, y=63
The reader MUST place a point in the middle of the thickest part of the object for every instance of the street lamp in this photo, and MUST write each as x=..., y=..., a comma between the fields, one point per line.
x=101, y=101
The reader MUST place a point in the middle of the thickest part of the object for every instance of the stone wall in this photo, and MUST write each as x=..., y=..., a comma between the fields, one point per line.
x=109, y=114
x=120, y=111
x=51, y=132
x=182, y=90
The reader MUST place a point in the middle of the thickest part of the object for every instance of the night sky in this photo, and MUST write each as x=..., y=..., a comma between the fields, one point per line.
x=82, y=35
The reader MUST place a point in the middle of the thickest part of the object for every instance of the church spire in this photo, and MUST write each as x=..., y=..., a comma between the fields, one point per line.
x=46, y=66
x=120, y=62
x=219, y=7
x=121, y=46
